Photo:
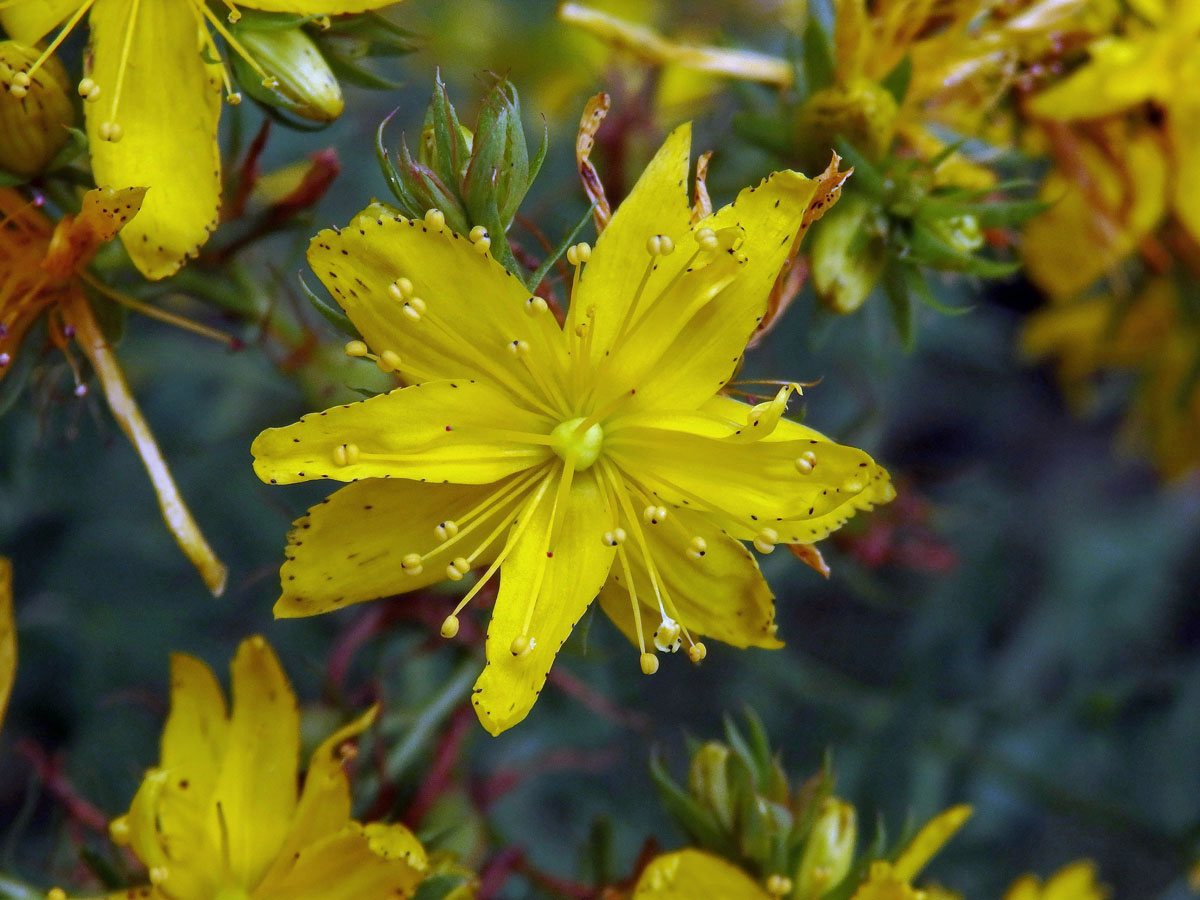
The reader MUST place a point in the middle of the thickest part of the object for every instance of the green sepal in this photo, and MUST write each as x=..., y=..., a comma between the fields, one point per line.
x=688, y=814
x=329, y=312
x=900, y=303
x=896, y=82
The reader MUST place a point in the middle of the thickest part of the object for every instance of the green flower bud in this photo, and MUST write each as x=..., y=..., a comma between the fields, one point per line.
x=862, y=112
x=34, y=117
x=298, y=72
x=828, y=852
x=960, y=232
x=708, y=782
x=847, y=254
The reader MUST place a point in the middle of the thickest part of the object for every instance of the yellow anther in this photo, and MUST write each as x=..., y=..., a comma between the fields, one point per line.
x=85, y=87
x=697, y=652
x=535, y=306
x=697, y=548
x=234, y=16
x=482, y=246
x=579, y=253
x=418, y=304
x=653, y=515
x=446, y=530
x=411, y=311
x=852, y=485
x=356, y=348
x=453, y=574
x=270, y=82
x=803, y=465
x=435, y=219
x=779, y=885
x=351, y=453
x=233, y=99
x=666, y=636
x=158, y=874
x=56, y=893
x=613, y=538
x=389, y=361
x=339, y=455
x=22, y=79
x=478, y=233
x=450, y=626
x=401, y=288
x=17, y=91
x=659, y=245
x=765, y=540
x=707, y=239
x=118, y=830
x=411, y=563
x=518, y=348
x=521, y=645
x=461, y=564
x=649, y=663
x=111, y=132
x=581, y=329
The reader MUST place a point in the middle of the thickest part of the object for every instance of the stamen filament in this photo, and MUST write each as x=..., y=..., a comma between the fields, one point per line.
x=231, y=40
x=479, y=513
x=58, y=38
x=160, y=314
x=130, y=27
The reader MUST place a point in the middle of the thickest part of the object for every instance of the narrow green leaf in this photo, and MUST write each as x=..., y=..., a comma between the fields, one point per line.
x=539, y=273
x=332, y=314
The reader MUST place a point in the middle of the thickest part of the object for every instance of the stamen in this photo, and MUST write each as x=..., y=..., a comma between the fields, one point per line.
x=88, y=90
x=706, y=238
x=411, y=564
x=356, y=349
x=450, y=626
x=579, y=253
x=535, y=306
x=268, y=81
x=446, y=530
x=457, y=569
x=235, y=14
x=110, y=130
x=346, y=454
x=155, y=312
x=660, y=245
x=652, y=515
x=400, y=289
x=697, y=548
x=480, y=241
x=697, y=652
x=765, y=540
x=23, y=80
x=435, y=219
x=521, y=645
x=613, y=538
x=649, y=663
x=666, y=636
x=473, y=518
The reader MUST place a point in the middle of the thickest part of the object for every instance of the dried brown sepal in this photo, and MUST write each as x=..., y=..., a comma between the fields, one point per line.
x=794, y=273
x=589, y=123
x=811, y=557
x=702, y=205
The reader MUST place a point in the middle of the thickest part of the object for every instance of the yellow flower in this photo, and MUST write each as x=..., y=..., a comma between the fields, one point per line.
x=893, y=880
x=43, y=270
x=692, y=874
x=1076, y=881
x=220, y=817
x=8, y=636
x=153, y=82
x=1156, y=61
x=595, y=458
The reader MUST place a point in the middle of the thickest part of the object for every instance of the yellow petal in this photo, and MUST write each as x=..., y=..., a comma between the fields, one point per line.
x=197, y=730
x=324, y=807
x=1121, y=73
x=691, y=874
x=929, y=840
x=436, y=431
x=471, y=308
x=1024, y=888
x=256, y=791
x=28, y=21
x=317, y=7
x=722, y=594
x=546, y=585
x=169, y=103
x=751, y=486
x=8, y=636
x=884, y=884
x=349, y=548
x=1075, y=881
x=1183, y=126
x=658, y=204
x=370, y=862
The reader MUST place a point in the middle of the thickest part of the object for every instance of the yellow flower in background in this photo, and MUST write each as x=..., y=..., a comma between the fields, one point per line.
x=221, y=815
x=1150, y=334
x=153, y=77
x=695, y=875
x=43, y=271
x=1155, y=61
x=595, y=458
x=1075, y=881
x=8, y=636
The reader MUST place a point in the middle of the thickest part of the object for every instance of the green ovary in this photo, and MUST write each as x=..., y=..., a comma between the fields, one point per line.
x=582, y=448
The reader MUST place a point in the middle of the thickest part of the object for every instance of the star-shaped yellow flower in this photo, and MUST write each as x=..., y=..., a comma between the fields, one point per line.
x=43, y=272
x=1075, y=881
x=153, y=82
x=1156, y=61
x=591, y=459
x=221, y=816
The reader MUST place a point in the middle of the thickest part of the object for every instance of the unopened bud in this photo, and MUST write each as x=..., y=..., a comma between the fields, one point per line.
x=828, y=851
x=847, y=258
x=296, y=70
x=34, y=119
x=708, y=782
x=862, y=112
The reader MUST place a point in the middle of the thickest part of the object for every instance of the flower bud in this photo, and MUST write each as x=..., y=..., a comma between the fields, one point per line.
x=847, y=254
x=960, y=232
x=34, y=125
x=861, y=112
x=708, y=782
x=301, y=75
x=828, y=852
